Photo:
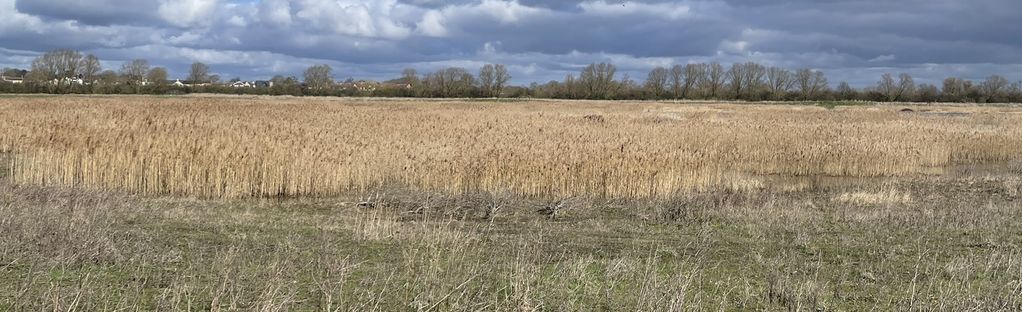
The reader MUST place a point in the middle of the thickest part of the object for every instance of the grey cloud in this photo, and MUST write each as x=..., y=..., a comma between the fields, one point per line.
x=852, y=41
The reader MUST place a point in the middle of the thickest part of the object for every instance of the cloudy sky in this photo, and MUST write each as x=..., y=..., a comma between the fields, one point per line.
x=850, y=40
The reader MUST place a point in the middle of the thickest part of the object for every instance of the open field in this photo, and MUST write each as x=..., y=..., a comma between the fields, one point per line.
x=226, y=203
x=234, y=147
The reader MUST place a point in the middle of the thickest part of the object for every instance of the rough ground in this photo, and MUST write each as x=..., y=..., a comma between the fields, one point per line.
x=918, y=244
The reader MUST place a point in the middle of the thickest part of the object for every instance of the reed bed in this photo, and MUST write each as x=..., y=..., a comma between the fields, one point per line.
x=240, y=147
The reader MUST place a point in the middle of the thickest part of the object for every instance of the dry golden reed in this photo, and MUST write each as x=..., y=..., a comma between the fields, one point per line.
x=237, y=147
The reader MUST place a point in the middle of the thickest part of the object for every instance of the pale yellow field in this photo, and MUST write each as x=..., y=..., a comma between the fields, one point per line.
x=236, y=147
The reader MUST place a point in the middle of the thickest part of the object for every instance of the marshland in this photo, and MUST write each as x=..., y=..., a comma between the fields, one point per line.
x=343, y=204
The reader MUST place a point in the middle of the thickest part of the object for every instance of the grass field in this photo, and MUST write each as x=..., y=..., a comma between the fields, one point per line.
x=271, y=204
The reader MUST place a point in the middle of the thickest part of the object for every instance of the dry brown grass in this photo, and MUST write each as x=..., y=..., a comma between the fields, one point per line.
x=237, y=147
x=883, y=197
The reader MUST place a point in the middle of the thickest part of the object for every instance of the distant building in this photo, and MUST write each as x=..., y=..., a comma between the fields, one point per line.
x=242, y=84
x=12, y=79
x=189, y=83
x=361, y=85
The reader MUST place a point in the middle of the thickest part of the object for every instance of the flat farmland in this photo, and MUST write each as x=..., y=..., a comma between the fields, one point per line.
x=279, y=203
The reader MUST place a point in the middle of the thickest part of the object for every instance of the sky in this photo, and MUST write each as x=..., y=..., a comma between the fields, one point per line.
x=850, y=40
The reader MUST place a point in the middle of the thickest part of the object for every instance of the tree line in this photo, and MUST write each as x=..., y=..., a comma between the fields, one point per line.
x=750, y=81
x=68, y=71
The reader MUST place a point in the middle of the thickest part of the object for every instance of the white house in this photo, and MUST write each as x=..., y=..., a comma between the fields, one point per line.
x=12, y=79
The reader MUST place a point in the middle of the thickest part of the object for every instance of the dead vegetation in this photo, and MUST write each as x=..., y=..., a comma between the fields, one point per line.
x=470, y=206
x=233, y=147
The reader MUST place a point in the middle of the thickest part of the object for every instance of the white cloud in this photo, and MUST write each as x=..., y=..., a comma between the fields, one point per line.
x=371, y=19
x=275, y=12
x=187, y=13
x=439, y=22
x=432, y=24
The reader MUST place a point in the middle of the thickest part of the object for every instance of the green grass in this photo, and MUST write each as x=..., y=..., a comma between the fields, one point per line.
x=67, y=250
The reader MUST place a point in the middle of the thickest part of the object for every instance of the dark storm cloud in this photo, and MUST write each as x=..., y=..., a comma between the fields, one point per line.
x=96, y=12
x=853, y=41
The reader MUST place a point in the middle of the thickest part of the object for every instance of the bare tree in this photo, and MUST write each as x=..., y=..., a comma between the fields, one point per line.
x=597, y=80
x=888, y=88
x=695, y=74
x=493, y=78
x=656, y=82
x=779, y=82
x=135, y=71
x=450, y=82
x=1015, y=92
x=199, y=73
x=906, y=87
x=993, y=88
x=571, y=87
x=90, y=67
x=744, y=78
x=319, y=77
x=56, y=64
x=157, y=75
x=927, y=93
x=954, y=89
x=715, y=80
x=677, y=80
x=107, y=77
x=810, y=83
x=846, y=92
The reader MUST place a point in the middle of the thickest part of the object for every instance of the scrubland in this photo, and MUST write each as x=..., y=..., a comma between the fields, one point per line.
x=145, y=203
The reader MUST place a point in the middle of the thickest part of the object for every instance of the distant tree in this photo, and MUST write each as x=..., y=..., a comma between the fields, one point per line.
x=571, y=89
x=319, y=77
x=157, y=75
x=954, y=89
x=627, y=89
x=888, y=88
x=810, y=83
x=199, y=73
x=656, y=81
x=492, y=79
x=677, y=80
x=285, y=86
x=410, y=76
x=135, y=71
x=597, y=80
x=11, y=72
x=695, y=74
x=745, y=77
x=993, y=88
x=90, y=67
x=56, y=64
x=779, y=82
x=108, y=77
x=927, y=93
x=1015, y=92
x=450, y=82
x=715, y=80
x=846, y=92
x=214, y=79
x=906, y=88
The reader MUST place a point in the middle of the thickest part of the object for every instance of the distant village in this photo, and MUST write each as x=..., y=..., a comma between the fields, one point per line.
x=18, y=77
